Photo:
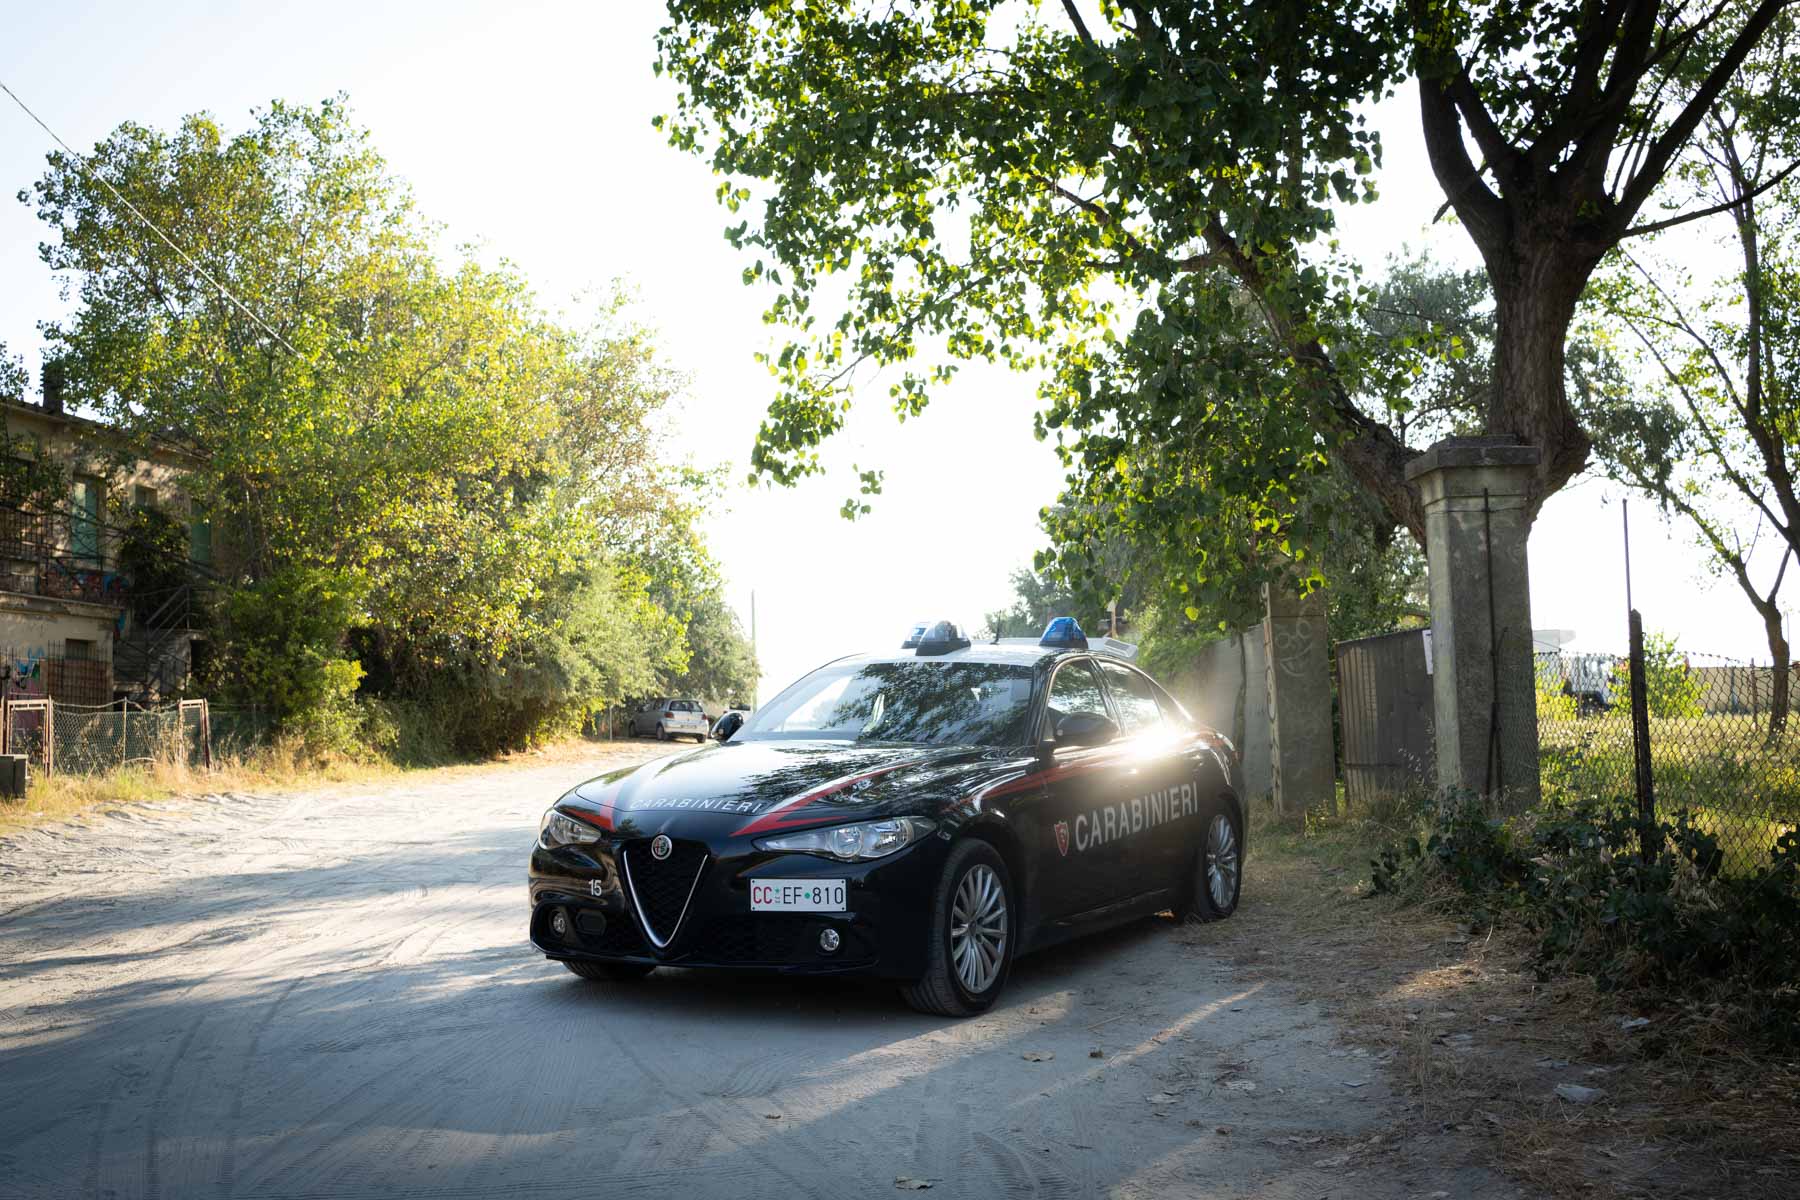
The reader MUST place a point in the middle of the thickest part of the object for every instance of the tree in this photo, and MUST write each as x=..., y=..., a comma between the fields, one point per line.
x=1139, y=198
x=1712, y=435
x=721, y=662
x=1038, y=598
x=14, y=378
x=475, y=474
x=716, y=660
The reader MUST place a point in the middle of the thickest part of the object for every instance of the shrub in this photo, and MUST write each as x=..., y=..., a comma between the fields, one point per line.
x=1676, y=921
x=283, y=652
x=1670, y=688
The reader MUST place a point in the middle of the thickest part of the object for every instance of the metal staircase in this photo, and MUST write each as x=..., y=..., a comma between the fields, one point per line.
x=150, y=662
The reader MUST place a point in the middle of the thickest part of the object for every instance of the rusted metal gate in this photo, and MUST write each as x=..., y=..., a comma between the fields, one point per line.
x=1384, y=700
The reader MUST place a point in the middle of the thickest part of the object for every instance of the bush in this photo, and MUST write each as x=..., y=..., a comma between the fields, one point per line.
x=1553, y=703
x=283, y=652
x=1469, y=849
x=1676, y=922
x=1670, y=689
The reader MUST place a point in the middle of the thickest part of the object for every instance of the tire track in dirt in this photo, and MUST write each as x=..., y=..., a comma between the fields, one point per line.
x=235, y=1118
x=152, y=1165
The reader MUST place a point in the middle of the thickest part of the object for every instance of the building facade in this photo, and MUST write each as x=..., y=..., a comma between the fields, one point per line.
x=75, y=625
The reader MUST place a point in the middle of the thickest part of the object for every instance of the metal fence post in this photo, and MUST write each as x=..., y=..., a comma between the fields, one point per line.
x=1640, y=742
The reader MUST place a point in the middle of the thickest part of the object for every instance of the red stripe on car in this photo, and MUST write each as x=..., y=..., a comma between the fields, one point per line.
x=783, y=816
x=600, y=817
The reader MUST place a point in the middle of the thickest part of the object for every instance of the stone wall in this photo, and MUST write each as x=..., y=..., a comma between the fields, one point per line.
x=1226, y=687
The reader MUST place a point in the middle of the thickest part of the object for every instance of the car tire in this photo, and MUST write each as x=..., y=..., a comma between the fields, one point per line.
x=974, y=875
x=1216, y=879
x=662, y=732
x=609, y=972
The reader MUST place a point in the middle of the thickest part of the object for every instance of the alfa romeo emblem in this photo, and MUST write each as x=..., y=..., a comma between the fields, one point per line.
x=662, y=847
x=1062, y=837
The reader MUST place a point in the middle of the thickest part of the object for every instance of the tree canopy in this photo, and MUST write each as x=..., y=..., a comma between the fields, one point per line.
x=1709, y=423
x=480, y=486
x=1138, y=201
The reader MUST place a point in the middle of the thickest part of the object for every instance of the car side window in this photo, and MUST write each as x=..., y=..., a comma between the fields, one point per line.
x=1135, y=697
x=1076, y=689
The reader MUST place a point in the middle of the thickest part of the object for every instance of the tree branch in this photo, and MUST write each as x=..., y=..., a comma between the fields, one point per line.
x=1375, y=458
x=1663, y=150
x=1081, y=28
x=1480, y=209
x=1715, y=209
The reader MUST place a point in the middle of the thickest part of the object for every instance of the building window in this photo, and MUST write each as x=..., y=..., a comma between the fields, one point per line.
x=144, y=496
x=78, y=648
x=84, y=522
x=200, y=548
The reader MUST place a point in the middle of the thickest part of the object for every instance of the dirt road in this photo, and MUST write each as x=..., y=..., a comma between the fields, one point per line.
x=330, y=995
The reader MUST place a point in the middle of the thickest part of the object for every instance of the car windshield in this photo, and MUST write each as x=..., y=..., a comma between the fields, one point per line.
x=918, y=701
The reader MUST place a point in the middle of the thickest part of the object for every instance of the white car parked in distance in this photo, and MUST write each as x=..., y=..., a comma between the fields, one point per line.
x=667, y=717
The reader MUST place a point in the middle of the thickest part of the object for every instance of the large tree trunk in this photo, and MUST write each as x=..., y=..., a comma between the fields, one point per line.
x=1536, y=290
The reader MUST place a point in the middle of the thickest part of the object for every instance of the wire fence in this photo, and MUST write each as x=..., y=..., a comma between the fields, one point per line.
x=89, y=739
x=1717, y=750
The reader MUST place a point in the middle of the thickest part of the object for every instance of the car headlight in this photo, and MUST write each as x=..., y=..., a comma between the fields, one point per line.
x=864, y=840
x=559, y=829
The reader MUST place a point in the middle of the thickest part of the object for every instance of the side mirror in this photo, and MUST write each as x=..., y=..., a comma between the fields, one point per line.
x=1085, y=729
x=727, y=725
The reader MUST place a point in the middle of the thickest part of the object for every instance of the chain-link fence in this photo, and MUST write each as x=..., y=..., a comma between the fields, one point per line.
x=1716, y=747
x=88, y=739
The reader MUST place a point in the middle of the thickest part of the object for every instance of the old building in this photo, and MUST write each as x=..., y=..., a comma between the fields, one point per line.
x=83, y=618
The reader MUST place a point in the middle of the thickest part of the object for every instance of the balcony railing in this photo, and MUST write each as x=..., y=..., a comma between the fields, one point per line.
x=34, y=559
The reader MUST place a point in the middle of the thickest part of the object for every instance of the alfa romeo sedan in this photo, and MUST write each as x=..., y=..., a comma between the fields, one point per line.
x=925, y=815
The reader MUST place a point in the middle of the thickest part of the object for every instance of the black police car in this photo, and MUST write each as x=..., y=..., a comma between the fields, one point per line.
x=925, y=816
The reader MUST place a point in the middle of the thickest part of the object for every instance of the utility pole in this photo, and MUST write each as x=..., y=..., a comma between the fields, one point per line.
x=756, y=687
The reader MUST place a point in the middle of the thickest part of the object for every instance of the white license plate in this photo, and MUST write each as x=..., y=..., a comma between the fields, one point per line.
x=799, y=895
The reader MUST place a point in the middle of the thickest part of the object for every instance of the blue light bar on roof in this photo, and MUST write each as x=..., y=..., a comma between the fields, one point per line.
x=1064, y=633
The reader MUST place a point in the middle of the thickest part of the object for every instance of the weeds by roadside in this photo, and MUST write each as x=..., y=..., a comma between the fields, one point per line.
x=1672, y=929
x=1677, y=1103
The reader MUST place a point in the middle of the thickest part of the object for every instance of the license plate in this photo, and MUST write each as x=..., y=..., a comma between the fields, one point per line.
x=799, y=895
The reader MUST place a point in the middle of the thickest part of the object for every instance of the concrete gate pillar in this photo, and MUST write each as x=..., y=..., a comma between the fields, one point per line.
x=1484, y=697
x=1303, y=765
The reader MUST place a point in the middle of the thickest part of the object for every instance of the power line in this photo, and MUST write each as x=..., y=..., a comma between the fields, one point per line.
x=199, y=270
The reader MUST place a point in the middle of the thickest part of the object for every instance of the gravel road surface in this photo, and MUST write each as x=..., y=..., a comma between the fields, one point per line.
x=330, y=994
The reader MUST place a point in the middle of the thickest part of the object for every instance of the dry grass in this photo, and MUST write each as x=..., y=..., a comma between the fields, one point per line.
x=1480, y=1044
x=283, y=766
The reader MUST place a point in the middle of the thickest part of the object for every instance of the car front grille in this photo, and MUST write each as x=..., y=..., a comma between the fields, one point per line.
x=746, y=939
x=661, y=889
x=617, y=936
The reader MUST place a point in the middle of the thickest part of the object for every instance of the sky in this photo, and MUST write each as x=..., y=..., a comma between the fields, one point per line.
x=525, y=129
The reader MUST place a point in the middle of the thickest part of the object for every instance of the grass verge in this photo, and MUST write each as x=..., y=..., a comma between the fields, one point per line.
x=1480, y=1044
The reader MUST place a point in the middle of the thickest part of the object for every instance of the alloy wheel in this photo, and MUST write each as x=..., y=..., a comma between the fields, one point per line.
x=978, y=923
x=1222, y=862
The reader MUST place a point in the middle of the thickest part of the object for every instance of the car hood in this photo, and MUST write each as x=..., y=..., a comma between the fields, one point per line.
x=751, y=788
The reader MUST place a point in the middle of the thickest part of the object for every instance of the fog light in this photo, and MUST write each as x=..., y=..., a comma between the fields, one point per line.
x=828, y=940
x=559, y=923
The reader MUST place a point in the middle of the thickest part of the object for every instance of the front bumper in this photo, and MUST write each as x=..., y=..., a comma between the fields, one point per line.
x=882, y=931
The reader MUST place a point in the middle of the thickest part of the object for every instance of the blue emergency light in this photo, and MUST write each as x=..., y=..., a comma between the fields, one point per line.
x=1064, y=633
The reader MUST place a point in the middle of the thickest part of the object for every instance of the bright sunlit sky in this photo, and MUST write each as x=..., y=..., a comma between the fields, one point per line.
x=526, y=128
